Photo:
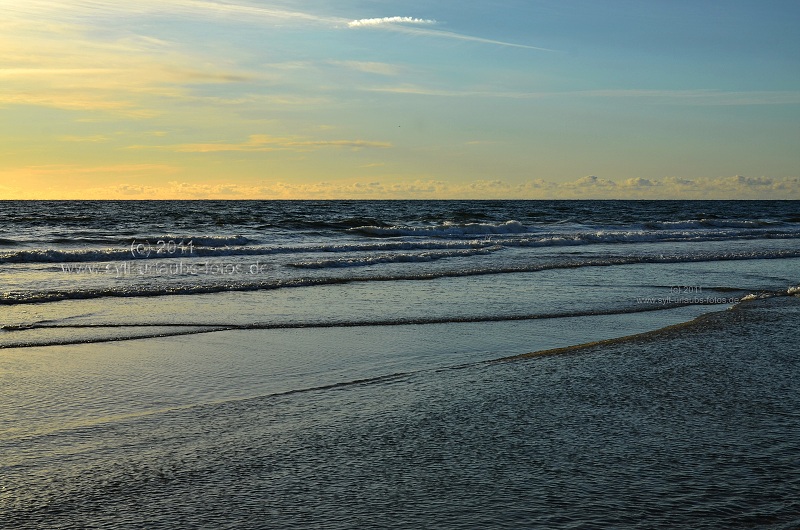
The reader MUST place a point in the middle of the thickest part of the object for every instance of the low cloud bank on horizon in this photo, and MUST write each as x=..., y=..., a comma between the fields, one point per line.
x=588, y=187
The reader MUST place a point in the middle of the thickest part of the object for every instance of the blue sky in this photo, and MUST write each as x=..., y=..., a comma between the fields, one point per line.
x=384, y=99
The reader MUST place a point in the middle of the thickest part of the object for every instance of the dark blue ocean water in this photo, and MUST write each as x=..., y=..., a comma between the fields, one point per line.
x=331, y=364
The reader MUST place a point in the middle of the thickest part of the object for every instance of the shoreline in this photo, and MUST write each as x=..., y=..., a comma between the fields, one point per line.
x=647, y=336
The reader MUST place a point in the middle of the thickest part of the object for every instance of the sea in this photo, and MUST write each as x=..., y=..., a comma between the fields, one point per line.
x=399, y=364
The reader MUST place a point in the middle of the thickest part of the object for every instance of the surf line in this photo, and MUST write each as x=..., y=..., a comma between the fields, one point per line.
x=198, y=328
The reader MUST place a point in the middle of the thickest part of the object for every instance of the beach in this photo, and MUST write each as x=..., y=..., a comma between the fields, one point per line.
x=694, y=427
x=515, y=364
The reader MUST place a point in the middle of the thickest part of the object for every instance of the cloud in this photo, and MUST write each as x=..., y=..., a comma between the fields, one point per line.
x=372, y=22
x=239, y=11
x=593, y=187
x=411, y=25
x=50, y=53
x=97, y=138
x=369, y=67
x=75, y=11
x=291, y=190
x=467, y=38
x=752, y=181
x=638, y=183
x=700, y=96
x=174, y=188
x=128, y=182
x=259, y=100
x=679, y=182
x=424, y=91
x=60, y=68
x=490, y=186
x=128, y=189
x=591, y=181
x=75, y=100
x=736, y=187
x=654, y=97
x=266, y=143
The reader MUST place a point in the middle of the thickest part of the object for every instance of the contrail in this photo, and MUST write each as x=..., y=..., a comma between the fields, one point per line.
x=405, y=25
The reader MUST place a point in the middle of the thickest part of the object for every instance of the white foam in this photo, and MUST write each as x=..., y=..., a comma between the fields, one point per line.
x=157, y=289
x=392, y=258
x=468, y=236
x=204, y=241
x=711, y=223
x=444, y=230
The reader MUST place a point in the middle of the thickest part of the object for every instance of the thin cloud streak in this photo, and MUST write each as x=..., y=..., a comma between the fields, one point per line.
x=369, y=67
x=702, y=96
x=406, y=25
x=463, y=37
x=372, y=22
x=258, y=11
x=192, y=8
x=266, y=143
x=666, y=97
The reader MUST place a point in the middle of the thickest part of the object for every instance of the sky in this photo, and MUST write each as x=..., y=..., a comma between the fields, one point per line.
x=381, y=99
